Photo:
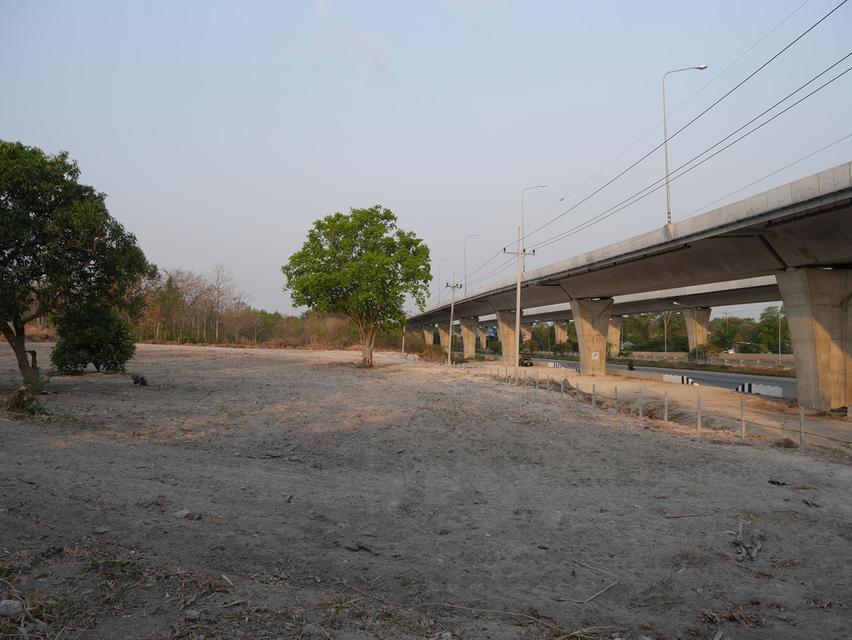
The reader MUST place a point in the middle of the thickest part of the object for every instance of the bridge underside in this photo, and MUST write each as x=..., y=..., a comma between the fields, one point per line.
x=800, y=234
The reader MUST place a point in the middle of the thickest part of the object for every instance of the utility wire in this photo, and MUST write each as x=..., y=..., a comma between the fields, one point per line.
x=702, y=113
x=493, y=272
x=617, y=208
x=735, y=131
x=636, y=197
x=674, y=111
x=485, y=264
x=648, y=154
x=766, y=177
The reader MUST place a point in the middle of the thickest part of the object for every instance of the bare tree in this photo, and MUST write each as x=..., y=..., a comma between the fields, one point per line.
x=220, y=286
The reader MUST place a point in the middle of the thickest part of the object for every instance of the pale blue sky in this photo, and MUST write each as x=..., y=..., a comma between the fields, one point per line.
x=220, y=131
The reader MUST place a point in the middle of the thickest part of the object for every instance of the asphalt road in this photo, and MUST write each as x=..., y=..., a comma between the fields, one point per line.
x=708, y=378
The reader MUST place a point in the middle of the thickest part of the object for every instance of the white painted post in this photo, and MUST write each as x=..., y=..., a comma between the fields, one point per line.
x=698, y=412
x=666, y=406
x=641, y=405
x=562, y=387
x=801, y=429
x=594, y=397
x=742, y=418
x=616, y=392
x=577, y=389
x=536, y=379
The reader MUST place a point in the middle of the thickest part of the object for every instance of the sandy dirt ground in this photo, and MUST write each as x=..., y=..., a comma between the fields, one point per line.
x=289, y=494
x=769, y=418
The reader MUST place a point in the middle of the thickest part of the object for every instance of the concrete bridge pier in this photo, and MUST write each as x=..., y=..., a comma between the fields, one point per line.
x=613, y=335
x=526, y=335
x=697, y=323
x=429, y=335
x=560, y=331
x=483, y=338
x=468, y=334
x=506, y=333
x=819, y=312
x=444, y=335
x=592, y=320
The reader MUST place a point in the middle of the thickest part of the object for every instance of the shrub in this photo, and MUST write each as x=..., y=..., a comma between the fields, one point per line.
x=701, y=352
x=24, y=399
x=95, y=335
x=433, y=353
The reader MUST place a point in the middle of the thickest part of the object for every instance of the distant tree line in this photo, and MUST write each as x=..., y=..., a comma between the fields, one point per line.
x=667, y=331
x=188, y=307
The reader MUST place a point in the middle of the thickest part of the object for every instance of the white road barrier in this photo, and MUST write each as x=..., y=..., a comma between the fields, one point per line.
x=669, y=377
x=761, y=389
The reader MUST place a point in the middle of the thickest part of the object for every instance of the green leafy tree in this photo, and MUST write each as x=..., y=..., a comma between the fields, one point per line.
x=59, y=246
x=92, y=334
x=768, y=330
x=362, y=265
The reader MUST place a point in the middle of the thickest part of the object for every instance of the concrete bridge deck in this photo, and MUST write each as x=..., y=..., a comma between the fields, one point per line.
x=800, y=234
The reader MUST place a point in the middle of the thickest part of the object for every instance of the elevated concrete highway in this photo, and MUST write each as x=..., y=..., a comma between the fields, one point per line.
x=799, y=234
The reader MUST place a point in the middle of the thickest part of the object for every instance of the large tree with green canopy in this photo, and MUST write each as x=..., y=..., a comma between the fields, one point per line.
x=59, y=247
x=362, y=265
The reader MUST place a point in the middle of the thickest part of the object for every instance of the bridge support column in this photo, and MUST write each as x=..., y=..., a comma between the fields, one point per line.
x=483, y=338
x=506, y=333
x=592, y=320
x=697, y=322
x=561, y=332
x=429, y=335
x=819, y=311
x=613, y=335
x=444, y=335
x=468, y=334
x=526, y=335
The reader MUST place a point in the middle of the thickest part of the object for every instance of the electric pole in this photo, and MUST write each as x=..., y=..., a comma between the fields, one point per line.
x=519, y=254
x=453, y=288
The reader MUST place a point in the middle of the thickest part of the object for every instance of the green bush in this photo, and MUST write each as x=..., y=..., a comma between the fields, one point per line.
x=95, y=335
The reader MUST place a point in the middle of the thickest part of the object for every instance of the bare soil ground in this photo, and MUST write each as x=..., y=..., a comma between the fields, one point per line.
x=289, y=494
x=767, y=418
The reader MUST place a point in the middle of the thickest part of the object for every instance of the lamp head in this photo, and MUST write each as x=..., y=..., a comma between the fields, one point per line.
x=702, y=67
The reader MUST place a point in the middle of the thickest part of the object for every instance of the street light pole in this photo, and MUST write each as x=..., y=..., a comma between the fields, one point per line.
x=700, y=67
x=523, y=237
x=453, y=288
x=472, y=235
x=440, y=291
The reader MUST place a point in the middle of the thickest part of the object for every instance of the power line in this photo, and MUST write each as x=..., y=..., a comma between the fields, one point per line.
x=493, y=272
x=486, y=263
x=702, y=113
x=630, y=201
x=674, y=111
x=714, y=104
x=767, y=176
x=636, y=197
x=740, y=128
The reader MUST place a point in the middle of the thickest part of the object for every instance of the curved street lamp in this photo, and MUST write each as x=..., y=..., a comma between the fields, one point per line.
x=700, y=67
x=523, y=237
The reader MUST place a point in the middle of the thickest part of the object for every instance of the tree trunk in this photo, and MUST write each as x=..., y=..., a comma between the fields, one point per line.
x=368, y=340
x=17, y=340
